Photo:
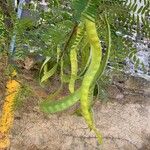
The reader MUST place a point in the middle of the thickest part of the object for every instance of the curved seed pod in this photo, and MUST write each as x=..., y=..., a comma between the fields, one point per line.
x=57, y=106
x=73, y=57
x=6, y=120
x=89, y=77
x=50, y=73
x=107, y=54
x=43, y=65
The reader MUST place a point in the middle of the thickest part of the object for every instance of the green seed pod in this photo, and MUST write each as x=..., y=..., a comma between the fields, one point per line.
x=107, y=53
x=73, y=57
x=90, y=75
x=57, y=106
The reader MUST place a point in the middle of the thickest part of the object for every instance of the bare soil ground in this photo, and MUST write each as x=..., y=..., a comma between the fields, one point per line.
x=124, y=120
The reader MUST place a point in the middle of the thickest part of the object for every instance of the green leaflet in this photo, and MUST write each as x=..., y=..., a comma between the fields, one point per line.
x=73, y=57
x=89, y=77
x=64, y=103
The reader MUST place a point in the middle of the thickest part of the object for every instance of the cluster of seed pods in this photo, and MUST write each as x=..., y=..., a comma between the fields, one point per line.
x=95, y=69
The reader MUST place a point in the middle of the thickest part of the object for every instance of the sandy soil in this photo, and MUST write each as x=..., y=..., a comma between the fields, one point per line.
x=124, y=121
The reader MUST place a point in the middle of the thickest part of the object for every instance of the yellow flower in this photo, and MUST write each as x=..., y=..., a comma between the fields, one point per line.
x=7, y=118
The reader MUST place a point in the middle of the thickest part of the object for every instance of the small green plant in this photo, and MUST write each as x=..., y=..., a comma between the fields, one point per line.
x=24, y=92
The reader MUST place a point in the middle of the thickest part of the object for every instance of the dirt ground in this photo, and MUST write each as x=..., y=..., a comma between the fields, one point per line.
x=124, y=120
